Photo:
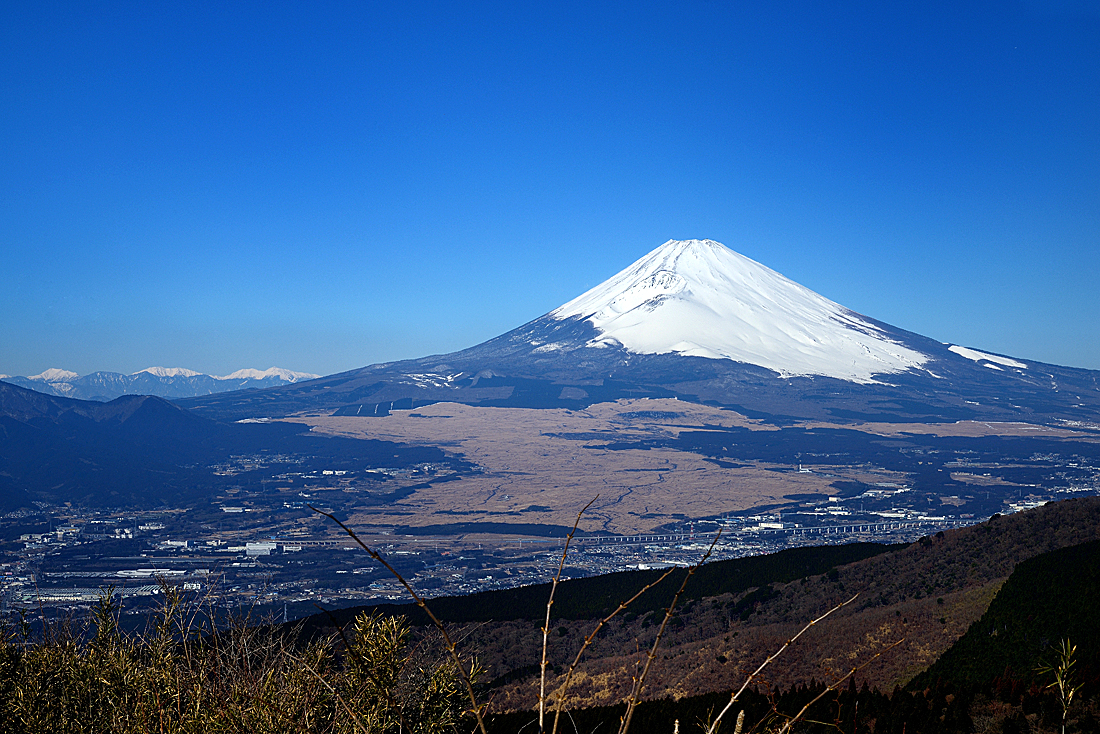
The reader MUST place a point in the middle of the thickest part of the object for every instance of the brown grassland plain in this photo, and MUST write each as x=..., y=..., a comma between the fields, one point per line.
x=540, y=465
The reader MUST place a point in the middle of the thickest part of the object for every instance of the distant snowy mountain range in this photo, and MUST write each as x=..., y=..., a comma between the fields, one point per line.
x=165, y=382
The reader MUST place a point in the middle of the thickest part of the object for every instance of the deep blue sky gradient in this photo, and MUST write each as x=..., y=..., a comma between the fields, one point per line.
x=322, y=186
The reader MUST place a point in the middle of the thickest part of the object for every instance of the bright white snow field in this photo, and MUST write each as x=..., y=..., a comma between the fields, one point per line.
x=977, y=356
x=699, y=298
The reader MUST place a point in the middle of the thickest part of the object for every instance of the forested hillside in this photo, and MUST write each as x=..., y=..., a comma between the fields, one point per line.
x=1047, y=599
x=733, y=613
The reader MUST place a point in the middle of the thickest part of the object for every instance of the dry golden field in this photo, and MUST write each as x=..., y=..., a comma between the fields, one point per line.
x=540, y=466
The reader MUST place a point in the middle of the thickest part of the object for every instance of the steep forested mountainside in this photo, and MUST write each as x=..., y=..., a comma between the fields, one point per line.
x=1047, y=599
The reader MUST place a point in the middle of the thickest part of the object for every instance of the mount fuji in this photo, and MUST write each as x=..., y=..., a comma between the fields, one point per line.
x=697, y=321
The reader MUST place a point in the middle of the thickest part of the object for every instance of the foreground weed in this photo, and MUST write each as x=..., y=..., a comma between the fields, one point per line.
x=246, y=677
x=1065, y=682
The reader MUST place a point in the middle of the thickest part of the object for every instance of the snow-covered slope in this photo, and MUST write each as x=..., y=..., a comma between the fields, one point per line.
x=699, y=298
x=169, y=372
x=975, y=355
x=55, y=375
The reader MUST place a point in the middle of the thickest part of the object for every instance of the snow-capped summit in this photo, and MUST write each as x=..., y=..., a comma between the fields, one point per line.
x=279, y=372
x=699, y=298
x=169, y=372
x=55, y=375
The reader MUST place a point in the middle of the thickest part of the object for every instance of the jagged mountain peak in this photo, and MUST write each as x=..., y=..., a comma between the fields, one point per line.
x=699, y=298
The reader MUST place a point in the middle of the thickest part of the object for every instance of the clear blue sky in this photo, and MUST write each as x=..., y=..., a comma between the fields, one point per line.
x=321, y=186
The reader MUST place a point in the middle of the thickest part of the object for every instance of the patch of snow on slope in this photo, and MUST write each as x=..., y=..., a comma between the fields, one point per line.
x=977, y=356
x=253, y=374
x=169, y=372
x=699, y=298
x=55, y=375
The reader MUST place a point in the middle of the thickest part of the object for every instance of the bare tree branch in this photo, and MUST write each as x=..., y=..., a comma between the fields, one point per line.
x=834, y=685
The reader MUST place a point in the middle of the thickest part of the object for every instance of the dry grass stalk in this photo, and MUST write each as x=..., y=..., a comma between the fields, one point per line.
x=475, y=707
x=1064, y=677
x=588, y=641
x=640, y=681
x=752, y=676
x=549, y=604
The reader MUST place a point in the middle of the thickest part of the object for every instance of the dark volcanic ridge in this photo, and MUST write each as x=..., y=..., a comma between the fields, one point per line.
x=140, y=450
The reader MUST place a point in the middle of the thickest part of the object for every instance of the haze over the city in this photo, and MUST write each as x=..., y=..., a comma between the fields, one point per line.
x=224, y=187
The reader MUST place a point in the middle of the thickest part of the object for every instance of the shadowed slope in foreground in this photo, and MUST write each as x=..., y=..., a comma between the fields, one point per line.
x=928, y=593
